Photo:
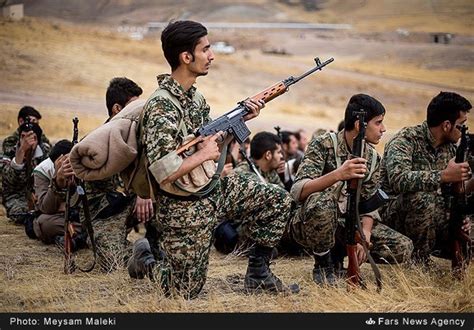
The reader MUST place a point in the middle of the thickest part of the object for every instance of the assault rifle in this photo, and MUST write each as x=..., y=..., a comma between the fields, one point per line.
x=27, y=126
x=233, y=121
x=76, y=186
x=353, y=226
x=461, y=243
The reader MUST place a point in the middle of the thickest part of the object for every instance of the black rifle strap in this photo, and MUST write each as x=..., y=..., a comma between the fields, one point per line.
x=87, y=225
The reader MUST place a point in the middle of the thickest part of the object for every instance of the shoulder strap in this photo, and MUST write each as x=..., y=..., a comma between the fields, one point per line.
x=373, y=162
x=334, y=143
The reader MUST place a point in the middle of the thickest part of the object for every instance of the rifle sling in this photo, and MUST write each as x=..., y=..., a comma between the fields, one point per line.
x=87, y=225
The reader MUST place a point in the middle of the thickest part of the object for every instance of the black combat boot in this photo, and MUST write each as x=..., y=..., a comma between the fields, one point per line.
x=259, y=277
x=142, y=261
x=28, y=222
x=323, y=271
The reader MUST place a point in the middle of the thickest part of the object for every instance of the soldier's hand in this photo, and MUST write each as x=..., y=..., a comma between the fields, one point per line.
x=64, y=171
x=28, y=143
x=143, y=209
x=466, y=226
x=281, y=167
x=360, y=253
x=254, y=107
x=228, y=169
x=209, y=147
x=354, y=168
x=455, y=172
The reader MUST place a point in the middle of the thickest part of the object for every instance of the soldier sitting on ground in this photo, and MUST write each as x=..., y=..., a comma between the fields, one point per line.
x=51, y=178
x=418, y=161
x=26, y=147
x=320, y=191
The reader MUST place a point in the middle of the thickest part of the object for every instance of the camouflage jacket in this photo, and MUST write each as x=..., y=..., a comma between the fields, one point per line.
x=411, y=163
x=15, y=183
x=161, y=125
x=270, y=177
x=10, y=144
x=320, y=159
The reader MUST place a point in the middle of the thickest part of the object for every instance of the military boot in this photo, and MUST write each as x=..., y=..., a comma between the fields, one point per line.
x=323, y=271
x=260, y=278
x=142, y=261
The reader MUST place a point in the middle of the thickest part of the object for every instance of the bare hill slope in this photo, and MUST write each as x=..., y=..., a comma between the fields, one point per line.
x=455, y=16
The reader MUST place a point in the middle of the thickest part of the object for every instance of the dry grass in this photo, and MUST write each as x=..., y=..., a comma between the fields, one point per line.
x=32, y=280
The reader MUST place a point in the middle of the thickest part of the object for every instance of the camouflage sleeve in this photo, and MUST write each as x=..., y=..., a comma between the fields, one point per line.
x=160, y=129
x=14, y=178
x=9, y=147
x=314, y=160
x=370, y=186
x=401, y=177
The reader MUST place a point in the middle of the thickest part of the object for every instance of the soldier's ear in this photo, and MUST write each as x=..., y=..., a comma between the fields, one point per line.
x=186, y=57
x=356, y=125
x=116, y=109
x=268, y=155
x=447, y=126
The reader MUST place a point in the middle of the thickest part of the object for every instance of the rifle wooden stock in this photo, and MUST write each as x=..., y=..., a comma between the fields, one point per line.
x=353, y=271
x=271, y=92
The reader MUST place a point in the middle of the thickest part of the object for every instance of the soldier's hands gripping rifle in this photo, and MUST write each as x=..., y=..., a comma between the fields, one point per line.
x=233, y=121
x=461, y=243
x=76, y=186
x=353, y=226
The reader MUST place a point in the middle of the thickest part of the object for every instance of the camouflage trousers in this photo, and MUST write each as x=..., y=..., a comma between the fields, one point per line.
x=184, y=229
x=16, y=206
x=110, y=234
x=315, y=223
x=422, y=217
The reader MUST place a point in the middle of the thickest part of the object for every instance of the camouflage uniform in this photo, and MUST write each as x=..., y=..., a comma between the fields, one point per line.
x=110, y=212
x=15, y=181
x=411, y=172
x=184, y=227
x=270, y=177
x=317, y=218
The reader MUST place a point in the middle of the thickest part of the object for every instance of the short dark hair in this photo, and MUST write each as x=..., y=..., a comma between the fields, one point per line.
x=263, y=142
x=178, y=37
x=120, y=91
x=61, y=147
x=357, y=102
x=27, y=111
x=340, y=126
x=446, y=106
x=285, y=136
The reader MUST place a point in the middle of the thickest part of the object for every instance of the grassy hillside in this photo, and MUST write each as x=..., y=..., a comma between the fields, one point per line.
x=455, y=16
x=64, y=68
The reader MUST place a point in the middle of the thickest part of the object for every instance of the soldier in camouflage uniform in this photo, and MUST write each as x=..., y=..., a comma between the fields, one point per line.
x=112, y=212
x=417, y=162
x=184, y=225
x=17, y=175
x=319, y=190
x=265, y=157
